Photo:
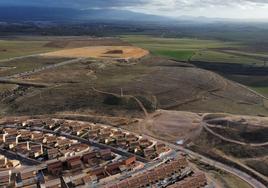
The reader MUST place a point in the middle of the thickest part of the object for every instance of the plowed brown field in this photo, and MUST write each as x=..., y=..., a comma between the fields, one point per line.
x=104, y=52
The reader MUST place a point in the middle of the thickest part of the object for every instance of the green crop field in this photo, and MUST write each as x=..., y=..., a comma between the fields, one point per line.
x=183, y=55
x=177, y=48
x=12, y=48
x=262, y=90
x=221, y=57
x=210, y=51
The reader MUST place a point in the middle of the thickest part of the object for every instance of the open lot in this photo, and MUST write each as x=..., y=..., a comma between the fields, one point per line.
x=170, y=126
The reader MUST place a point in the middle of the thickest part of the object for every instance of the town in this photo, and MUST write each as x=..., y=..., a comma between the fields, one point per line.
x=50, y=153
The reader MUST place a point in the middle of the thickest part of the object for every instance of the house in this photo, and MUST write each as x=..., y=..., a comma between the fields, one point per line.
x=74, y=163
x=27, y=177
x=105, y=154
x=113, y=168
x=3, y=161
x=25, y=135
x=78, y=149
x=81, y=179
x=55, y=167
x=49, y=139
x=63, y=142
x=2, y=137
x=37, y=136
x=149, y=153
x=11, y=131
x=134, y=146
x=144, y=143
x=5, y=178
x=88, y=156
x=160, y=148
x=36, y=150
x=11, y=141
x=23, y=148
x=53, y=153
x=55, y=183
x=129, y=161
x=131, y=138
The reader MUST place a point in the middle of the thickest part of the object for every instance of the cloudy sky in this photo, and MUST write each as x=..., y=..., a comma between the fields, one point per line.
x=252, y=9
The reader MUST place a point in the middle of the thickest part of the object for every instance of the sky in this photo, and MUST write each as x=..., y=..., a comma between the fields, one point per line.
x=238, y=9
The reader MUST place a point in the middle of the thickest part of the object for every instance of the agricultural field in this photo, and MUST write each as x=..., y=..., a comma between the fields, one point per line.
x=104, y=52
x=17, y=48
x=7, y=87
x=27, y=64
x=233, y=60
x=221, y=57
x=180, y=49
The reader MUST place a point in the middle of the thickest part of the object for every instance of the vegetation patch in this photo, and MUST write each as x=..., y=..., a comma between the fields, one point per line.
x=180, y=55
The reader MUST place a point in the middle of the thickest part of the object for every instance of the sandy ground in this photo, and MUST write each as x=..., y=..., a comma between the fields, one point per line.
x=100, y=52
x=171, y=125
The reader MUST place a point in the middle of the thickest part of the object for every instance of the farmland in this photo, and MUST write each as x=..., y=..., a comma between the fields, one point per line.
x=106, y=52
x=234, y=60
x=168, y=82
x=16, y=48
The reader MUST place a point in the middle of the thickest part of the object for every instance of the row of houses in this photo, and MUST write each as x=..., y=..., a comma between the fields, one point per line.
x=152, y=178
x=36, y=144
x=75, y=171
x=130, y=142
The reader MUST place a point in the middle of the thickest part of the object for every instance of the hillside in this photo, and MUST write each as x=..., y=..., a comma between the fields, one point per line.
x=157, y=82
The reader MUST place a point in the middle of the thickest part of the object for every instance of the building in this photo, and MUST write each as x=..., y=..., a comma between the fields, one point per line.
x=74, y=163
x=5, y=178
x=26, y=177
x=55, y=167
x=52, y=153
x=3, y=161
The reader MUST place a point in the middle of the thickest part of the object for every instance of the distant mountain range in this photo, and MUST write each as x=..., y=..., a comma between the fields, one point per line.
x=53, y=14
x=68, y=14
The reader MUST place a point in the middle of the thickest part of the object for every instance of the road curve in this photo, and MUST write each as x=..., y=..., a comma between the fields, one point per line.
x=242, y=175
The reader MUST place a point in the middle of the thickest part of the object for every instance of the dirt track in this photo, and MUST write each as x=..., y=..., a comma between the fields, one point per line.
x=103, y=52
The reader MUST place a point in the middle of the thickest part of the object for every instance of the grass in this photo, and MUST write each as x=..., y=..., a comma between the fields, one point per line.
x=12, y=48
x=230, y=181
x=262, y=90
x=178, y=48
x=220, y=57
x=182, y=55
x=26, y=64
x=7, y=87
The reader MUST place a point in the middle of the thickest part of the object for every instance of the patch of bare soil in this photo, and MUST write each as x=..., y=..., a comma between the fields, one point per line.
x=104, y=52
x=171, y=126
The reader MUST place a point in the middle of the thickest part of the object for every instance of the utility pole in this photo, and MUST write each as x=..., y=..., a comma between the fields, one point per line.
x=122, y=92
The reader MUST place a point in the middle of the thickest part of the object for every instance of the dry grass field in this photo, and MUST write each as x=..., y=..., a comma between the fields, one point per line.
x=103, y=52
